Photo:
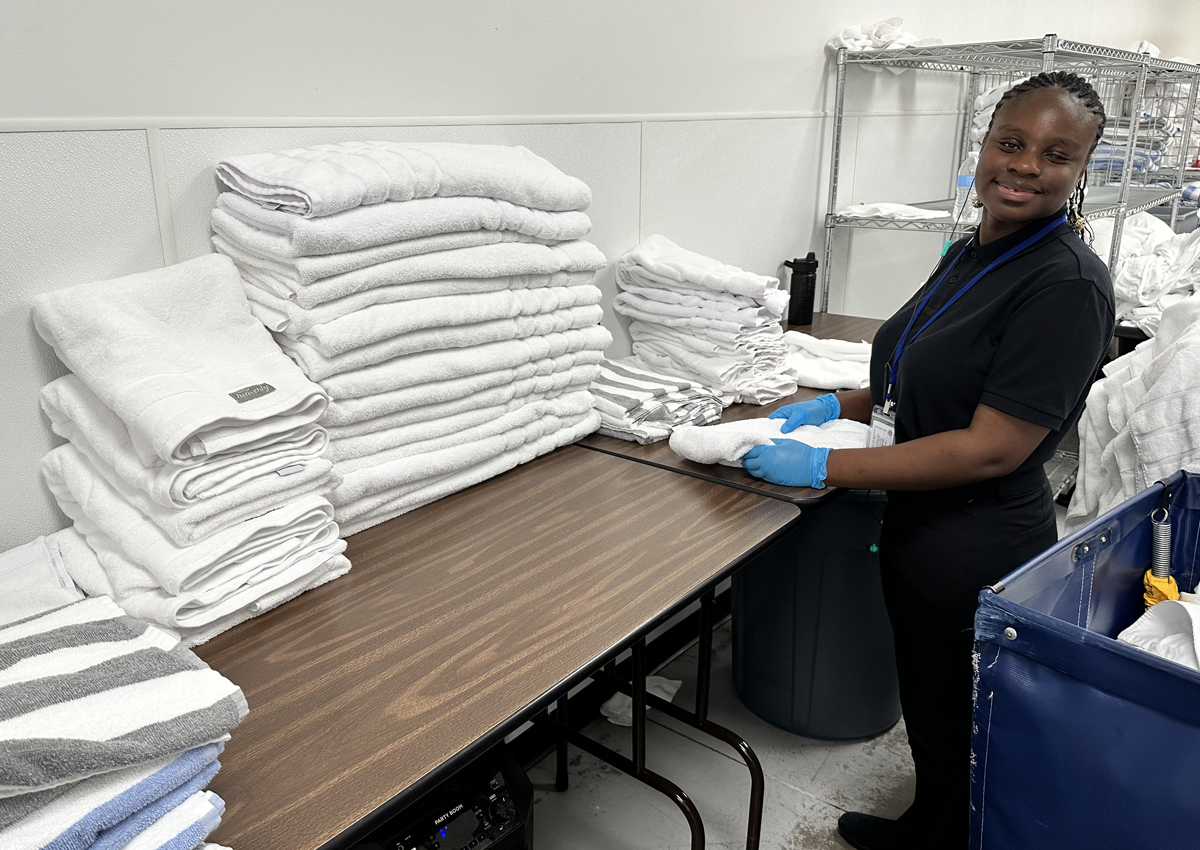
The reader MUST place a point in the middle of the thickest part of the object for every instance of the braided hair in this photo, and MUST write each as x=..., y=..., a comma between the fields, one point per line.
x=1082, y=90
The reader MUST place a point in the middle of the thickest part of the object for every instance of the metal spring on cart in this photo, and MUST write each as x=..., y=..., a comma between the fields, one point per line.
x=1160, y=564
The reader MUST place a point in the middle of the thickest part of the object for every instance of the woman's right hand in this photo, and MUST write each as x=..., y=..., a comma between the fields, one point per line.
x=822, y=409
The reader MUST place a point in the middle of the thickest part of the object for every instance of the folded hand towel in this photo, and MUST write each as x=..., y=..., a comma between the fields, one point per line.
x=286, y=234
x=319, y=367
x=702, y=302
x=827, y=364
x=644, y=406
x=726, y=442
x=751, y=382
x=183, y=827
x=122, y=711
x=326, y=179
x=78, y=415
x=371, y=510
x=659, y=260
x=177, y=355
x=105, y=812
x=190, y=525
x=752, y=345
x=33, y=579
x=427, y=366
x=721, y=315
x=485, y=261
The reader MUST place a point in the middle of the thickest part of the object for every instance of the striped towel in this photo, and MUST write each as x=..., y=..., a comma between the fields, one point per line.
x=1191, y=194
x=645, y=407
x=85, y=690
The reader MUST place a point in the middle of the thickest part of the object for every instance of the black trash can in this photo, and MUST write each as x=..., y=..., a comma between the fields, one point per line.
x=812, y=645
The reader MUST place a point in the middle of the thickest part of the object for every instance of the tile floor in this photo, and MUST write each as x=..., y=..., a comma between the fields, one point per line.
x=808, y=782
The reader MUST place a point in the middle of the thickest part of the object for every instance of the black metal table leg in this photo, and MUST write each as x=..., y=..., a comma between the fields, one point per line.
x=560, y=774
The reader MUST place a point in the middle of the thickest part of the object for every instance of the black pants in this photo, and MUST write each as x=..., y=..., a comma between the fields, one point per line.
x=937, y=550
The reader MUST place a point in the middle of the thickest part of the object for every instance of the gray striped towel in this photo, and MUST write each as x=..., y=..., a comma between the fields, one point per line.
x=643, y=406
x=85, y=689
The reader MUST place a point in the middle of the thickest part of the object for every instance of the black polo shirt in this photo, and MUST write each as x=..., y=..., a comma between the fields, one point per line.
x=1025, y=340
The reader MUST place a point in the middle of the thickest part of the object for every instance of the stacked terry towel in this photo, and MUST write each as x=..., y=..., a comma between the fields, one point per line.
x=440, y=294
x=194, y=465
x=645, y=407
x=110, y=734
x=827, y=364
x=1141, y=422
x=699, y=319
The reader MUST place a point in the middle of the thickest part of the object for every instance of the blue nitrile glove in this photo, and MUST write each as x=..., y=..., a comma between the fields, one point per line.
x=822, y=409
x=788, y=462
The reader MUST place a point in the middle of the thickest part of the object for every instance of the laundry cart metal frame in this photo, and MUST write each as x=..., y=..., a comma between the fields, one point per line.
x=1127, y=83
x=1078, y=739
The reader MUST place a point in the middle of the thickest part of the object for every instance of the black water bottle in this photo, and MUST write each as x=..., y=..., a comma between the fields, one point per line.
x=804, y=289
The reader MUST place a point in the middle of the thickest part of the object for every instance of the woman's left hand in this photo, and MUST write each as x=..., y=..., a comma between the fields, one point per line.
x=788, y=462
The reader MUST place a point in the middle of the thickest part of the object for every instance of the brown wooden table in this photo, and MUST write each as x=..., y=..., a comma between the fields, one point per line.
x=457, y=623
x=824, y=326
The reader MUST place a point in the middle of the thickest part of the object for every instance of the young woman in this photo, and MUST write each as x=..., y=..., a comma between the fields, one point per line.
x=969, y=398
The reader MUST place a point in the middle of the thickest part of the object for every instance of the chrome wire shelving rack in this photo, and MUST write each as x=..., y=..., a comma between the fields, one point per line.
x=1143, y=154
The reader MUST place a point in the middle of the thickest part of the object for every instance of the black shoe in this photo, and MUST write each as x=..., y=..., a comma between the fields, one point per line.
x=867, y=832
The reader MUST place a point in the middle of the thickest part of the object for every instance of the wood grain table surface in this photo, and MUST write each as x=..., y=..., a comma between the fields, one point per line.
x=455, y=623
x=824, y=326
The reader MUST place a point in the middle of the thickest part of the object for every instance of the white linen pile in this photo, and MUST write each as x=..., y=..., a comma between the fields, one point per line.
x=194, y=464
x=440, y=294
x=887, y=34
x=645, y=407
x=110, y=731
x=982, y=109
x=1141, y=422
x=705, y=321
x=1165, y=273
x=898, y=212
x=827, y=364
x=726, y=442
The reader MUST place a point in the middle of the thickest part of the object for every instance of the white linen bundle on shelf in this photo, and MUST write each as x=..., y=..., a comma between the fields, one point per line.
x=702, y=320
x=440, y=294
x=194, y=465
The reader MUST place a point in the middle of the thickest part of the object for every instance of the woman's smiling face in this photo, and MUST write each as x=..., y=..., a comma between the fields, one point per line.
x=1032, y=159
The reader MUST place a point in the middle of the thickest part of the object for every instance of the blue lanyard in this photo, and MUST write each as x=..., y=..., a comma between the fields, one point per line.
x=905, y=340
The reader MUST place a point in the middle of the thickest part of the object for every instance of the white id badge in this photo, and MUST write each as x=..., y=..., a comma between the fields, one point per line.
x=883, y=429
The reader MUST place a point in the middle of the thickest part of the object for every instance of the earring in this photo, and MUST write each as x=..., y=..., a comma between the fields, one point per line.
x=976, y=202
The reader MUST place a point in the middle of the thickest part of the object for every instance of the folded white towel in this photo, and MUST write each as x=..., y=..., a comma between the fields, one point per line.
x=1170, y=630
x=261, y=542
x=717, y=315
x=190, y=525
x=98, y=691
x=902, y=212
x=644, y=406
x=827, y=364
x=663, y=289
x=319, y=367
x=481, y=262
x=659, y=260
x=186, y=825
x=376, y=508
x=177, y=355
x=704, y=302
x=580, y=365
x=545, y=385
x=78, y=415
x=749, y=382
x=284, y=234
x=634, y=308
x=754, y=345
x=326, y=179
x=448, y=364
x=33, y=579
x=373, y=443
x=726, y=442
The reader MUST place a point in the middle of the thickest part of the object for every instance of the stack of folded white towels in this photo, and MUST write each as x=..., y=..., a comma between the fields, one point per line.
x=194, y=464
x=440, y=294
x=827, y=364
x=700, y=319
x=111, y=729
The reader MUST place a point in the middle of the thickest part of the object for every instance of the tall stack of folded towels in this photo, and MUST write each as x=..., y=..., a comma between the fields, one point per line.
x=700, y=319
x=440, y=294
x=193, y=467
x=111, y=729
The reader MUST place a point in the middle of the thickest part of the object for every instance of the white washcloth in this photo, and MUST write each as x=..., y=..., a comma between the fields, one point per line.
x=326, y=179
x=484, y=261
x=545, y=385
x=827, y=364
x=33, y=579
x=319, y=367
x=177, y=355
x=186, y=825
x=371, y=510
x=284, y=234
x=726, y=442
x=78, y=415
x=261, y=542
x=190, y=525
x=658, y=260
x=448, y=364
x=901, y=212
x=1170, y=630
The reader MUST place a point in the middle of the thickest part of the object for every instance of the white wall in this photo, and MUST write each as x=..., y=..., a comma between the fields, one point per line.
x=704, y=121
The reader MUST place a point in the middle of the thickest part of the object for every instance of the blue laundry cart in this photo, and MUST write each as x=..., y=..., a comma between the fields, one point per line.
x=1080, y=740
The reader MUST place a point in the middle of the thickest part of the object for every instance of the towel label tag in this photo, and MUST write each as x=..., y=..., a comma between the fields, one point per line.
x=251, y=392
